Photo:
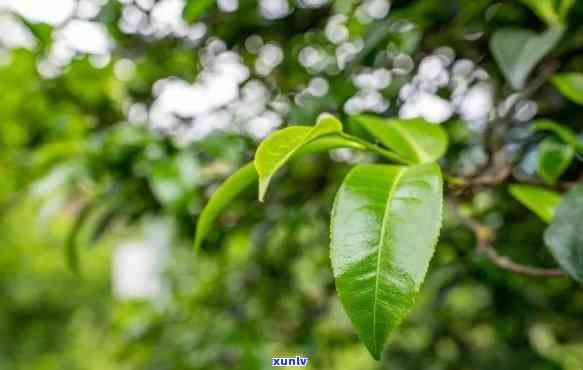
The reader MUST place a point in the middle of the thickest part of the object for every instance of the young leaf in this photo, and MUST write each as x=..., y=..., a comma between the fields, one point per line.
x=518, y=51
x=563, y=132
x=554, y=157
x=247, y=176
x=564, y=237
x=570, y=85
x=385, y=224
x=414, y=139
x=541, y=201
x=225, y=194
x=278, y=148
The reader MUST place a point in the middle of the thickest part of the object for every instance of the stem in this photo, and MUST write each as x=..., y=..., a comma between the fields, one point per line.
x=492, y=177
x=387, y=154
x=484, y=238
x=507, y=264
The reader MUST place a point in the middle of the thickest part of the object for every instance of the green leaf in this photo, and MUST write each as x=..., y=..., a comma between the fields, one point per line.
x=247, y=176
x=570, y=85
x=554, y=157
x=563, y=132
x=385, y=224
x=225, y=194
x=545, y=10
x=564, y=237
x=414, y=139
x=518, y=51
x=280, y=146
x=541, y=201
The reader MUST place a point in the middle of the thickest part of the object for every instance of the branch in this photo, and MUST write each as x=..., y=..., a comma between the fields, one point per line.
x=507, y=264
x=492, y=177
x=485, y=236
x=488, y=179
x=545, y=72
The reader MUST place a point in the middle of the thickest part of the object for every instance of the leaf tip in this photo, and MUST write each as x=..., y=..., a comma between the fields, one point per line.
x=375, y=353
x=324, y=118
x=373, y=347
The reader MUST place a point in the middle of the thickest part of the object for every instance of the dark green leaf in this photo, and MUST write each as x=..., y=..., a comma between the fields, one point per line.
x=564, y=237
x=518, y=51
x=539, y=200
x=385, y=224
x=570, y=85
x=414, y=139
x=563, y=132
x=554, y=157
x=280, y=146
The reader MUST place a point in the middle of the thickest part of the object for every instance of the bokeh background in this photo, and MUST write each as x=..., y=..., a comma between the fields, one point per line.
x=118, y=119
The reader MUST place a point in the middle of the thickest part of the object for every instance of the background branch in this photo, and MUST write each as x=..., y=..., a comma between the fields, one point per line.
x=484, y=239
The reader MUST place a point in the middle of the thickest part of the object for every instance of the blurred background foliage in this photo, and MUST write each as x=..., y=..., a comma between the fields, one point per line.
x=115, y=115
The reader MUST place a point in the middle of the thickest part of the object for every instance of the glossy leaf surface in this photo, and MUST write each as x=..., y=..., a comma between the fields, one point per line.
x=280, y=146
x=554, y=157
x=518, y=51
x=570, y=85
x=385, y=224
x=539, y=200
x=414, y=139
x=564, y=237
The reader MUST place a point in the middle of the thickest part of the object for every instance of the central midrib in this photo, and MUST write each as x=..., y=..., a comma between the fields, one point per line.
x=379, y=254
x=419, y=153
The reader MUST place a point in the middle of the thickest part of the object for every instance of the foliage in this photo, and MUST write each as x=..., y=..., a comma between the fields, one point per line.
x=377, y=272
x=563, y=237
x=95, y=144
x=541, y=201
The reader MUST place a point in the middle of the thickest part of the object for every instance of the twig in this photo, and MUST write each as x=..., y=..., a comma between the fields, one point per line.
x=498, y=177
x=541, y=79
x=484, y=238
x=507, y=264
x=491, y=178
